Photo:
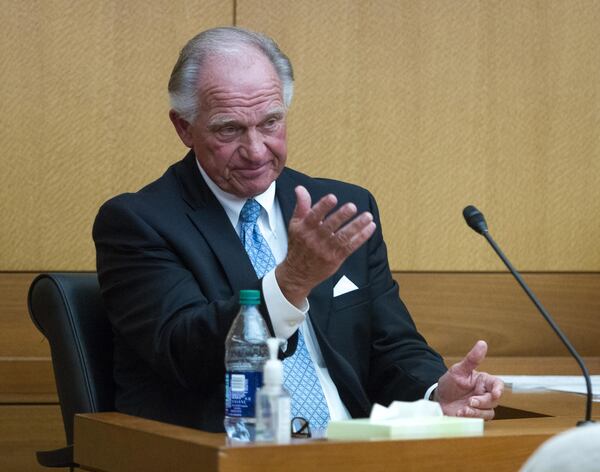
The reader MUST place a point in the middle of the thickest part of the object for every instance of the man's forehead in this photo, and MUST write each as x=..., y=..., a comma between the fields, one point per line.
x=226, y=116
x=235, y=66
x=259, y=97
x=242, y=82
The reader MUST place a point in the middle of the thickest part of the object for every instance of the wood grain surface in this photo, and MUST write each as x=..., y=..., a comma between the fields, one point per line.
x=454, y=310
x=451, y=309
x=19, y=338
x=25, y=429
x=434, y=105
x=430, y=105
x=113, y=442
x=84, y=115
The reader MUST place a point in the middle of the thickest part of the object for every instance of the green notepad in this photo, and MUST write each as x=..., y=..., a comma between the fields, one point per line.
x=405, y=428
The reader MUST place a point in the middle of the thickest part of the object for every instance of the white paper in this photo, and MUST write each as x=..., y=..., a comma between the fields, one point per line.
x=562, y=383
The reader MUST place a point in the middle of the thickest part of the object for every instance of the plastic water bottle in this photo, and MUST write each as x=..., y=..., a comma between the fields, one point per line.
x=246, y=352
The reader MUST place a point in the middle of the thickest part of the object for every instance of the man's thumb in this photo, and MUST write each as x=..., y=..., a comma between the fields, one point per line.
x=475, y=357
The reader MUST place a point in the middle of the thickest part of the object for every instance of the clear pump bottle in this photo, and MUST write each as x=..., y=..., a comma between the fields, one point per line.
x=273, y=404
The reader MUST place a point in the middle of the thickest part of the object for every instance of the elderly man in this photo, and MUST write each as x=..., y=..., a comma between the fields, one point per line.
x=172, y=257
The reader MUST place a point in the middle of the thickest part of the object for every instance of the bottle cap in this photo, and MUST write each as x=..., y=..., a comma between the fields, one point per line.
x=249, y=297
x=273, y=370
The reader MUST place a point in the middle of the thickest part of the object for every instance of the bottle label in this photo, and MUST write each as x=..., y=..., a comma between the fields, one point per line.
x=240, y=393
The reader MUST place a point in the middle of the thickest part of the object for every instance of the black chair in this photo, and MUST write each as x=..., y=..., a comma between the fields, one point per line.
x=67, y=308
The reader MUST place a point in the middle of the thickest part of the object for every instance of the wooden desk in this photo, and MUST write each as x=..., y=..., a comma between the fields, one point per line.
x=113, y=442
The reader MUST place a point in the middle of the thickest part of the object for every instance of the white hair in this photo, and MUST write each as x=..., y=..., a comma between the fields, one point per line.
x=574, y=450
x=183, y=84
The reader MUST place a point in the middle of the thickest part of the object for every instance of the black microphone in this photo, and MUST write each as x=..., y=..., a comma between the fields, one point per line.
x=476, y=221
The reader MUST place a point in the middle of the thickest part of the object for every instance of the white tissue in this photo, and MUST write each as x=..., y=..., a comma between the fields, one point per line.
x=405, y=420
x=398, y=410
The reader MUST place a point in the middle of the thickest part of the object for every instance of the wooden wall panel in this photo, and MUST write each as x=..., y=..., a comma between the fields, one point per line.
x=25, y=365
x=454, y=310
x=25, y=429
x=430, y=104
x=25, y=380
x=84, y=115
x=19, y=337
x=434, y=105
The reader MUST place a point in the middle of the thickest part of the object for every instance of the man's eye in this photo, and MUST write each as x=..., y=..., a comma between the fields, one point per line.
x=270, y=123
x=228, y=130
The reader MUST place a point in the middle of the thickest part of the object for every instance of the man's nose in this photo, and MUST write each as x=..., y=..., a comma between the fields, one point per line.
x=253, y=145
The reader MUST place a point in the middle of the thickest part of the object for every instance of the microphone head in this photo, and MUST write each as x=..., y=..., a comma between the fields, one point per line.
x=475, y=219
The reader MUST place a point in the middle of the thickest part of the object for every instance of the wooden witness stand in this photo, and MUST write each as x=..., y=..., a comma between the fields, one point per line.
x=113, y=442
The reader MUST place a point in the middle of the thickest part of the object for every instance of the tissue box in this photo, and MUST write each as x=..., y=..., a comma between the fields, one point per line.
x=405, y=428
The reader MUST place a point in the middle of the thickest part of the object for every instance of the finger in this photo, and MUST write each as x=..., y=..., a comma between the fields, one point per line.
x=494, y=385
x=360, y=238
x=341, y=216
x=303, y=202
x=346, y=236
x=480, y=383
x=475, y=356
x=320, y=209
x=363, y=236
x=468, y=412
x=485, y=382
x=483, y=402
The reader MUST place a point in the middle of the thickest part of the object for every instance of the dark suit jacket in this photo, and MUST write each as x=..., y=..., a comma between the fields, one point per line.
x=170, y=267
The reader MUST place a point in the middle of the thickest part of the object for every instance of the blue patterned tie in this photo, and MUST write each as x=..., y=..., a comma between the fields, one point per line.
x=300, y=377
x=254, y=243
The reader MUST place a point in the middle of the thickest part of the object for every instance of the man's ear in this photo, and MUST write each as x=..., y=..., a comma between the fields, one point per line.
x=182, y=127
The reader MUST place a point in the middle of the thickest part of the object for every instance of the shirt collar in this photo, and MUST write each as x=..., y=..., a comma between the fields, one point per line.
x=233, y=204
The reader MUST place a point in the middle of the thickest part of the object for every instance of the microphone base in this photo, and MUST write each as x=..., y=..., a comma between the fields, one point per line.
x=585, y=422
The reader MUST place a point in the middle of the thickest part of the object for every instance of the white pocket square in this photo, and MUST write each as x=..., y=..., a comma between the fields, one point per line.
x=344, y=285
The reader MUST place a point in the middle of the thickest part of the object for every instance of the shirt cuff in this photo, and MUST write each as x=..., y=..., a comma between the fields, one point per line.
x=285, y=317
x=430, y=391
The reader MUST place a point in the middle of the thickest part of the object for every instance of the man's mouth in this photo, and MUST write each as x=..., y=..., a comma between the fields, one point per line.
x=251, y=172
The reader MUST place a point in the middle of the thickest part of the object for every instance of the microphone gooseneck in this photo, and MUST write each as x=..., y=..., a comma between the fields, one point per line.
x=476, y=221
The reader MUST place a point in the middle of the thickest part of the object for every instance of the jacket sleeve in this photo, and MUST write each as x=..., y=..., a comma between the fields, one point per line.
x=154, y=302
x=402, y=365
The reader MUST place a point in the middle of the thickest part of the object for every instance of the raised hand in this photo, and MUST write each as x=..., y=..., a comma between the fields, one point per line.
x=319, y=242
x=462, y=391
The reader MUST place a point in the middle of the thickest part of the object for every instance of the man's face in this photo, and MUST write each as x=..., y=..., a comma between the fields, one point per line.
x=239, y=136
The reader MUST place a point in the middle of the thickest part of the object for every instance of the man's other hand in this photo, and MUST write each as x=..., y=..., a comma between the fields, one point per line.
x=319, y=242
x=462, y=391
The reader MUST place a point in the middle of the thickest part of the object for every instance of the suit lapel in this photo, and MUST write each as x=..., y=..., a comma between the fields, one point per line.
x=286, y=196
x=209, y=217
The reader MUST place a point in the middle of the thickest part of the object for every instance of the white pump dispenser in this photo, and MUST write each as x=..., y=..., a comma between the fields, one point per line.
x=273, y=403
x=273, y=370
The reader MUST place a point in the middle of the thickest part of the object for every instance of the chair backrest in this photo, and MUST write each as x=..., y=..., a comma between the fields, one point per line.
x=67, y=308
